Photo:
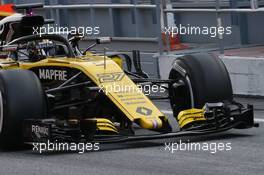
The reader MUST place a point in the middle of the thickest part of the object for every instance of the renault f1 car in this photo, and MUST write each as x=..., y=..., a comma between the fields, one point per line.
x=52, y=91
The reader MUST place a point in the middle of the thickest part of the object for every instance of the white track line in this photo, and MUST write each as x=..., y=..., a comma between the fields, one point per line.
x=255, y=119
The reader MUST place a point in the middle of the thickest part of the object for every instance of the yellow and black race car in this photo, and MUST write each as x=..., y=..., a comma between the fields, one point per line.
x=51, y=91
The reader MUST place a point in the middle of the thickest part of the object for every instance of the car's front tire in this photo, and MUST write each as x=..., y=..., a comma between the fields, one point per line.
x=200, y=78
x=21, y=97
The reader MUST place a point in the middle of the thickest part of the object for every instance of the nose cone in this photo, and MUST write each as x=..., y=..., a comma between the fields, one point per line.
x=153, y=123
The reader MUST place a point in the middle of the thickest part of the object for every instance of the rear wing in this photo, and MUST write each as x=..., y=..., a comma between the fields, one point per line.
x=29, y=10
x=28, y=7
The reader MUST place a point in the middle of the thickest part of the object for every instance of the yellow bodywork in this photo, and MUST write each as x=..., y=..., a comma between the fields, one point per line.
x=106, y=74
x=103, y=124
x=118, y=61
x=190, y=116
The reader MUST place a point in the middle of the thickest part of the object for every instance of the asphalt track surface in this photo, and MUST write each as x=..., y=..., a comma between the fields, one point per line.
x=150, y=157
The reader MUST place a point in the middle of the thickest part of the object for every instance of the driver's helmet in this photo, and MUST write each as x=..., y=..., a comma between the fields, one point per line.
x=33, y=51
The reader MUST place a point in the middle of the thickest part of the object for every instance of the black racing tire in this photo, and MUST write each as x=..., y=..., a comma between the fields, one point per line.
x=21, y=97
x=204, y=79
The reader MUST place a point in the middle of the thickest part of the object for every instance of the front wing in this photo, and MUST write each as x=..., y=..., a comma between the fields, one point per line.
x=219, y=117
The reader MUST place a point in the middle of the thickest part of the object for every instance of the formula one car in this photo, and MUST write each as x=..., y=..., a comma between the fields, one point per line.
x=52, y=91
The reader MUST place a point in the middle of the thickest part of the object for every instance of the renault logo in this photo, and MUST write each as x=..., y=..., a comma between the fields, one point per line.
x=144, y=111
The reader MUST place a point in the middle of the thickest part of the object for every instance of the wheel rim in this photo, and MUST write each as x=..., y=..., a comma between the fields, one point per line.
x=1, y=112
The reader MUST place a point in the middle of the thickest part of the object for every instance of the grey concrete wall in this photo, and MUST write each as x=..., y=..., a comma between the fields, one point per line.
x=165, y=64
x=247, y=74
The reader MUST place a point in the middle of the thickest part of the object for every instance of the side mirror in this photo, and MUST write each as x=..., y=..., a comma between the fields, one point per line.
x=75, y=37
x=103, y=40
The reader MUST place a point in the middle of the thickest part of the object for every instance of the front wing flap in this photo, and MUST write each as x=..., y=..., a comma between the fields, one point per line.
x=216, y=115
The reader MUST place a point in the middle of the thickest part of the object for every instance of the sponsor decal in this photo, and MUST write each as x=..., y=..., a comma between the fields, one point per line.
x=52, y=74
x=110, y=77
x=39, y=130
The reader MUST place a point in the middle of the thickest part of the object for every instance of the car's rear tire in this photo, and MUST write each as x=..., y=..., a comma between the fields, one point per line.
x=200, y=78
x=21, y=97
